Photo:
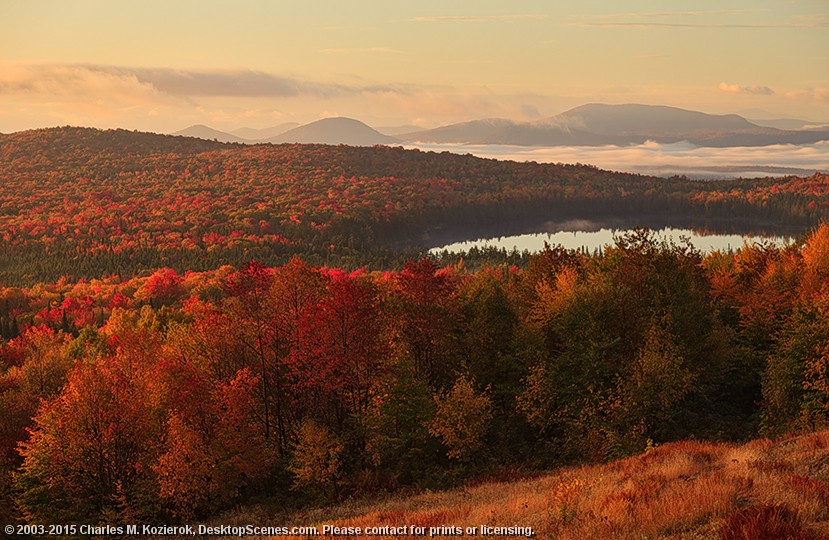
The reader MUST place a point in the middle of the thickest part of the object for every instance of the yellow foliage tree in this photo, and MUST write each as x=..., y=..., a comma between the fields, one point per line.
x=317, y=457
x=461, y=420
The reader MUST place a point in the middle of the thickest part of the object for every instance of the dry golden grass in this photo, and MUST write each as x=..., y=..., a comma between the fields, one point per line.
x=685, y=490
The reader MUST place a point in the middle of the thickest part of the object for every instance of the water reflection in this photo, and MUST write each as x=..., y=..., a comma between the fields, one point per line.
x=591, y=240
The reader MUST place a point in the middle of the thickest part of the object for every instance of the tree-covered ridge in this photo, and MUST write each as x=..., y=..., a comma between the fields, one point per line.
x=175, y=395
x=89, y=203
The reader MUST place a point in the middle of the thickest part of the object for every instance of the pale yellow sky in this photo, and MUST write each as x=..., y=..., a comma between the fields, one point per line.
x=162, y=66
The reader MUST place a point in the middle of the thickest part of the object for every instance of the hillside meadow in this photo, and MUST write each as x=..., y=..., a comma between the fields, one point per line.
x=688, y=490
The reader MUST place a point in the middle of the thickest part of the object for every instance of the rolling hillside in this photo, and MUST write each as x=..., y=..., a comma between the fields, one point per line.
x=85, y=202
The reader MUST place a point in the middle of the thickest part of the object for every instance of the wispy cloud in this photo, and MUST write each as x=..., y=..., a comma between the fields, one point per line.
x=438, y=103
x=360, y=50
x=678, y=14
x=480, y=18
x=692, y=19
x=444, y=105
x=812, y=19
x=645, y=25
x=740, y=89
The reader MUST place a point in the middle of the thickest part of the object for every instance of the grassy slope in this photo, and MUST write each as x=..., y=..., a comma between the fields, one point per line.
x=684, y=490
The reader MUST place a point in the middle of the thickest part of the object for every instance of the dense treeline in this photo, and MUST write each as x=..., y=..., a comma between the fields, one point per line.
x=85, y=203
x=172, y=396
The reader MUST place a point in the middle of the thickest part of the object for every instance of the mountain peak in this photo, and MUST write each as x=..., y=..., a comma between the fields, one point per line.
x=636, y=118
x=338, y=130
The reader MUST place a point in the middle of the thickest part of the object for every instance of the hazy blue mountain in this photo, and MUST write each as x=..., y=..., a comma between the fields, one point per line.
x=792, y=124
x=335, y=131
x=254, y=134
x=486, y=131
x=762, y=117
x=204, y=132
x=393, y=131
x=633, y=118
x=508, y=132
x=588, y=125
x=598, y=124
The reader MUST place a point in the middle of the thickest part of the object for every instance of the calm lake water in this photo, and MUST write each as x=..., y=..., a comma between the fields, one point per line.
x=595, y=239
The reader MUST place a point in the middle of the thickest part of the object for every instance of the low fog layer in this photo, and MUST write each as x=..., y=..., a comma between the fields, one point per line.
x=666, y=159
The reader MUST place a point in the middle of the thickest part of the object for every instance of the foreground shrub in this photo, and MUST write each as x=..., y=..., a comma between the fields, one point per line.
x=764, y=522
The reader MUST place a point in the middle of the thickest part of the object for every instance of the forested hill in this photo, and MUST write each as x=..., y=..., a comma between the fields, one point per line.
x=83, y=202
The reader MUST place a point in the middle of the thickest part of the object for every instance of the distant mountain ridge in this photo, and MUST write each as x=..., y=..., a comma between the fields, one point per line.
x=635, y=118
x=326, y=131
x=599, y=124
x=200, y=131
x=593, y=124
x=253, y=134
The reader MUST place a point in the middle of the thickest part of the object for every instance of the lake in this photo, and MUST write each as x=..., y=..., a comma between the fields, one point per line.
x=593, y=238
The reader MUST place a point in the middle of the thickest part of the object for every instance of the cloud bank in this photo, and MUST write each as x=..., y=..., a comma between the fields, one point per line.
x=655, y=158
x=60, y=78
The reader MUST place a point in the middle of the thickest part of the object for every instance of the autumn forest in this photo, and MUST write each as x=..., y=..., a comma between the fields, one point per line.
x=188, y=326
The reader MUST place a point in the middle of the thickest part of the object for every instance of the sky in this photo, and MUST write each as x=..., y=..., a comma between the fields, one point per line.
x=165, y=65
